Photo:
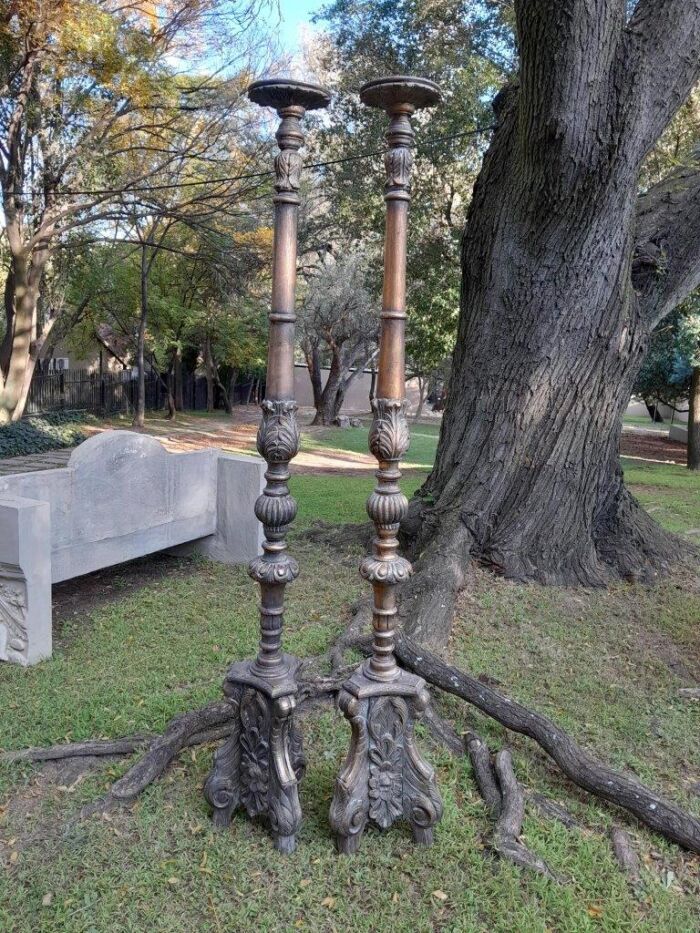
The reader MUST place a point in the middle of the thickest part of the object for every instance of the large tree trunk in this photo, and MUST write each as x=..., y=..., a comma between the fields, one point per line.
x=555, y=315
x=694, y=421
x=18, y=352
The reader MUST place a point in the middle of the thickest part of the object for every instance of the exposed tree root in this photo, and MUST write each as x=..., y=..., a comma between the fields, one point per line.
x=500, y=790
x=166, y=746
x=443, y=732
x=552, y=810
x=506, y=835
x=626, y=857
x=93, y=747
x=579, y=765
x=427, y=600
x=484, y=774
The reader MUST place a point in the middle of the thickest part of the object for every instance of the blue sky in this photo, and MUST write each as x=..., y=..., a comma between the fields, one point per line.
x=295, y=15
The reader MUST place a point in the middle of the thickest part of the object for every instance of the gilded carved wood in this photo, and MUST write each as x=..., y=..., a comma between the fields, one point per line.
x=384, y=777
x=259, y=767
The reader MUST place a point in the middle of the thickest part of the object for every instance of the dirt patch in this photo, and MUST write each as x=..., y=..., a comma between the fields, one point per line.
x=75, y=599
x=654, y=447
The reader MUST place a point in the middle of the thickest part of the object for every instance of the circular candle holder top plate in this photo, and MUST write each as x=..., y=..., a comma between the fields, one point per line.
x=284, y=92
x=400, y=89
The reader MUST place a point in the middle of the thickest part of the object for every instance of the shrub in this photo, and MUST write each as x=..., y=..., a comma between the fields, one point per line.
x=37, y=433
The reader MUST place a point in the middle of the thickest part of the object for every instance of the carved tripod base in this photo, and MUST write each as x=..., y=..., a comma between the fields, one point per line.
x=384, y=777
x=259, y=766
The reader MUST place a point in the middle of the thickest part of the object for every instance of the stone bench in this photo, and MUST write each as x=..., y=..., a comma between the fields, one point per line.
x=121, y=496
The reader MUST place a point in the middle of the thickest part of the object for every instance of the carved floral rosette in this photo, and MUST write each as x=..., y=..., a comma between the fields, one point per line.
x=384, y=777
x=260, y=764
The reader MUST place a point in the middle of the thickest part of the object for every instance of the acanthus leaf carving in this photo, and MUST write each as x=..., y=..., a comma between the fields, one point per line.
x=14, y=632
x=389, y=437
x=278, y=434
x=398, y=163
x=288, y=165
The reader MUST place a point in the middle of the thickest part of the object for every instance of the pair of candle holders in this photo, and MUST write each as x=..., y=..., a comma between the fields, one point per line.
x=258, y=768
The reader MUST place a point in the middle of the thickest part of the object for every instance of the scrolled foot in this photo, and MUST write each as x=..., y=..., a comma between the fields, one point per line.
x=285, y=844
x=259, y=766
x=422, y=835
x=222, y=787
x=384, y=777
x=348, y=845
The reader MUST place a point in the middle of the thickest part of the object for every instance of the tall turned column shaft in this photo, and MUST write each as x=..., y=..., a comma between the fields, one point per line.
x=384, y=777
x=259, y=766
x=278, y=436
x=389, y=436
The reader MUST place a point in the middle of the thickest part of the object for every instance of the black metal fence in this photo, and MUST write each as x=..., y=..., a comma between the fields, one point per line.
x=109, y=393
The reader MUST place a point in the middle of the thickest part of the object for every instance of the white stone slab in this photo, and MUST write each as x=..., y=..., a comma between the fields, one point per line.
x=25, y=581
x=121, y=496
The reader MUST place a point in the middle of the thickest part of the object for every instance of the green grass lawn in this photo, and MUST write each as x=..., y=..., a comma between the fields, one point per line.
x=641, y=421
x=420, y=454
x=607, y=665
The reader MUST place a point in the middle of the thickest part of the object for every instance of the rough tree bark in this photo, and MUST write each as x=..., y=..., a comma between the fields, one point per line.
x=565, y=272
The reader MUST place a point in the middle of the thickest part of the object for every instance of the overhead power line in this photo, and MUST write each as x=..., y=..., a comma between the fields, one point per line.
x=136, y=189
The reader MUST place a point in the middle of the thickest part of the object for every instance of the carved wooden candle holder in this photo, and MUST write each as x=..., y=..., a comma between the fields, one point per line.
x=258, y=768
x=384, y=777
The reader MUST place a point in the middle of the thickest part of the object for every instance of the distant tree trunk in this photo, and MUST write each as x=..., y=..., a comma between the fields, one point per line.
x=330, y=399
x=232, y=380
x=169, y=384
x=9, y=303
x=373, y=384
x=140, y=407
x=422, y=390
x=251, y=385
x=565, y=273
x=313, y=364
x=209, y=373
x=694, y=421
x=179, y=389
x=20, y=347
x=224, y=391
x=654, y=412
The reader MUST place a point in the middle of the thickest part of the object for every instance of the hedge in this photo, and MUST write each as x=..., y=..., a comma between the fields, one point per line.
x=37, y=433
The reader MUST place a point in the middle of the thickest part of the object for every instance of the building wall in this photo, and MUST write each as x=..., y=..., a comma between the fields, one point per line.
x=357, y=397
x=90, y=361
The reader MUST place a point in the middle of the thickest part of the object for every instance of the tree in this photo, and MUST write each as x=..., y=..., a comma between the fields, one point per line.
x=87, y=88
x=460, y=45
x=660, y=381
x=688, y=343
x=670, y=373
x=431, y=337
x=338, y=319
x=566, y=270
